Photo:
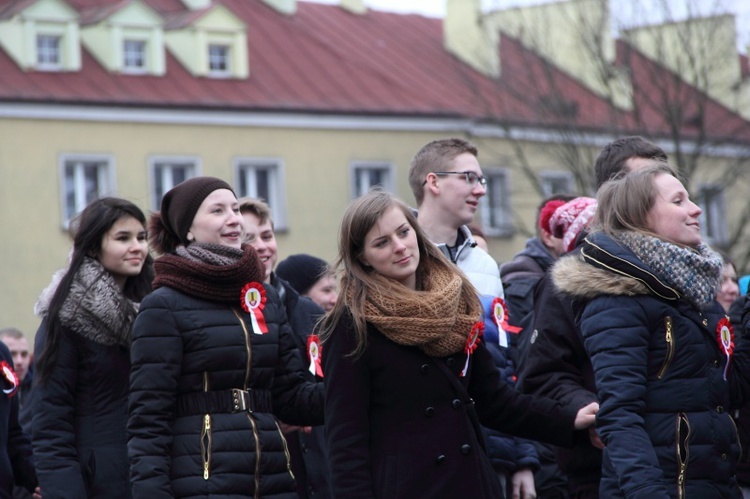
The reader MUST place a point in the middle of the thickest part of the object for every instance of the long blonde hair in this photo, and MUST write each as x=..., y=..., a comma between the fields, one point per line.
x=355, y=280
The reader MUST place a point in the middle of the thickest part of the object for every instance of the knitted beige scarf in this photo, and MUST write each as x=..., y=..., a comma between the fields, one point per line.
x=438, y=320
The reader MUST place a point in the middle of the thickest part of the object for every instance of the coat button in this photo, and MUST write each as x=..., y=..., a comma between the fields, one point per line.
x=716, y=363
x=440, y=459
x=456, y=404
x=429, y=412
x=720, y=409
x=705, y=322
x=425, y=368
x=465, y=449
x=723, y=457
x=451, y=361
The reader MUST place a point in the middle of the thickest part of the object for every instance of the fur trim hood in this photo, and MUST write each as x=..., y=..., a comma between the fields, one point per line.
x=95, y=307
x=577, y=278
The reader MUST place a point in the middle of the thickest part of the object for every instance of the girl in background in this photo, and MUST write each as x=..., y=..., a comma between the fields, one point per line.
x=83, y=359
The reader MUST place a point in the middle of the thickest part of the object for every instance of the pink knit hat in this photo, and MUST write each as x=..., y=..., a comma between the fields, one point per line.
x=570, y=219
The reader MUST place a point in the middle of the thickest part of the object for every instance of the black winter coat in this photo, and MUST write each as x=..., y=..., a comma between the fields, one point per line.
x=398, y=426
x=557, y=366
x=78, y=419
x=16, y=463
x=665, y=405
x=188, y=435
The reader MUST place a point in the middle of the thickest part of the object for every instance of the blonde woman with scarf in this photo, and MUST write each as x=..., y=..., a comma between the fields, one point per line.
x=408, y=378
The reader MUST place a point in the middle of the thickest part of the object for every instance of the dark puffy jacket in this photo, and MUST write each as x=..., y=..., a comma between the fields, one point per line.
x=188, y=435
x=79, y=417
x=520, y=277
x=665, y=405
x=15, y=448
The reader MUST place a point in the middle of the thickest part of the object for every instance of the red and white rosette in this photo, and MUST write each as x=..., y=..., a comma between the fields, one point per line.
x=313, y=353
x=10, y=380
x=472, y=342
x=253, y=300
x=500, y=316
x=725, y=337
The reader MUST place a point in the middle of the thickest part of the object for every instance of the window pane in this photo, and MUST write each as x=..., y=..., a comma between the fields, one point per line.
x=166, y=176
x=84, y=182
x=365, y=178
x=48, y=50
x=134, y=54
x=218, y=58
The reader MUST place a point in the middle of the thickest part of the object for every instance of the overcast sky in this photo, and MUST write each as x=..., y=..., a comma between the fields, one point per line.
x=436, y=8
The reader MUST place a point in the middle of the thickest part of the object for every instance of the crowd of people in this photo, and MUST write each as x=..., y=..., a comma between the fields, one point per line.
x=177, y=357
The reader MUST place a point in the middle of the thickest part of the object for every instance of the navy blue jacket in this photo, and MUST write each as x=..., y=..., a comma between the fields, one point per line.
x=665, y=405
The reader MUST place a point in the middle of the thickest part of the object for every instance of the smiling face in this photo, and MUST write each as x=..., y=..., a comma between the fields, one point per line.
x=391, y=249
x=218, y=220
x=124, y=249
x=458, y=199
x=673, y=216
x=262, y=238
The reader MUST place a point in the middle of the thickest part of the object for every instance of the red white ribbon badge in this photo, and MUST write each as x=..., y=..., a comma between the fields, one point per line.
x=253, y=300
x=500, y=316
x=313, y=353
x=10, y=379
x=472, y=342
x=725, y=337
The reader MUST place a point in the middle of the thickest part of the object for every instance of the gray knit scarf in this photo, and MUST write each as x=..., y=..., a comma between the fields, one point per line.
x=695, y=273
x=95, y=307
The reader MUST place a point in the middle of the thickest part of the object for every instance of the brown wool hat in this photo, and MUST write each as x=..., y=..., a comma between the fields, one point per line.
x=180, y=204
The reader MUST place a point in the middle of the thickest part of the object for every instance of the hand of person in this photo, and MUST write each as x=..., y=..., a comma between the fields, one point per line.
x=288, y=428
x=37, y=493
x=595, y=440
x=586, y=416
x=523, y=484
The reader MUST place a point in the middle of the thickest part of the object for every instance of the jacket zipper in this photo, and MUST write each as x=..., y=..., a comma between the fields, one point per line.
x=683, y=451
x=206, y=436
x=286, y=452
x=670, y=339
x=250, y=417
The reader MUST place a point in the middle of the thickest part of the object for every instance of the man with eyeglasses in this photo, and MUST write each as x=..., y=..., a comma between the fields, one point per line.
x=447, y=183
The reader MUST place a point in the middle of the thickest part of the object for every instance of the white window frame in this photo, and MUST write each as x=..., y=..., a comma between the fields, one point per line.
x=45, y=50
x=497, y=221
x=358, y=171
x=167, y=166
x=712, y=200
x=105, y=175
x=226, y=57
x=550, y=177
x=133, y=56
x=246, y=168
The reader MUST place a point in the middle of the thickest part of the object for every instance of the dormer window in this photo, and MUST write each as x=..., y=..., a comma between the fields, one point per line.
x=48, y=52
x=134, y=56
x=218, y=60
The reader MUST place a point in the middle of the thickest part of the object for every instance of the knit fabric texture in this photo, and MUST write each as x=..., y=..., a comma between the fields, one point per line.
x=438, y=319
x=546, y=213
x=211, y=272
x=694, y=273
x=180, y=204
x=570, y=219
x=302, y=271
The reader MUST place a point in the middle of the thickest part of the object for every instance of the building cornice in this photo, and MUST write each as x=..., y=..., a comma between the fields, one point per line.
x=320, y=121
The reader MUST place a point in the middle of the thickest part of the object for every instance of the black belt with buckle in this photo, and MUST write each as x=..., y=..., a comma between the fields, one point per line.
x=224, y=401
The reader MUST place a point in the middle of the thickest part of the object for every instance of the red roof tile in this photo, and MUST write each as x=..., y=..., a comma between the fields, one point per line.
x=326, y=59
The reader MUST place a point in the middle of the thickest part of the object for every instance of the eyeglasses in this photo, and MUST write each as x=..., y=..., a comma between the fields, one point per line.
x=471, y=178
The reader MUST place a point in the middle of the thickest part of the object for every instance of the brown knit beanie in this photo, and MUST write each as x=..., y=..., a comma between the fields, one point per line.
x=180, y=204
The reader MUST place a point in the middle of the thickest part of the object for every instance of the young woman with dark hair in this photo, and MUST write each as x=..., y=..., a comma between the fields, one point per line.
x=408, y=379
x=82, y=351
x=214, y=362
